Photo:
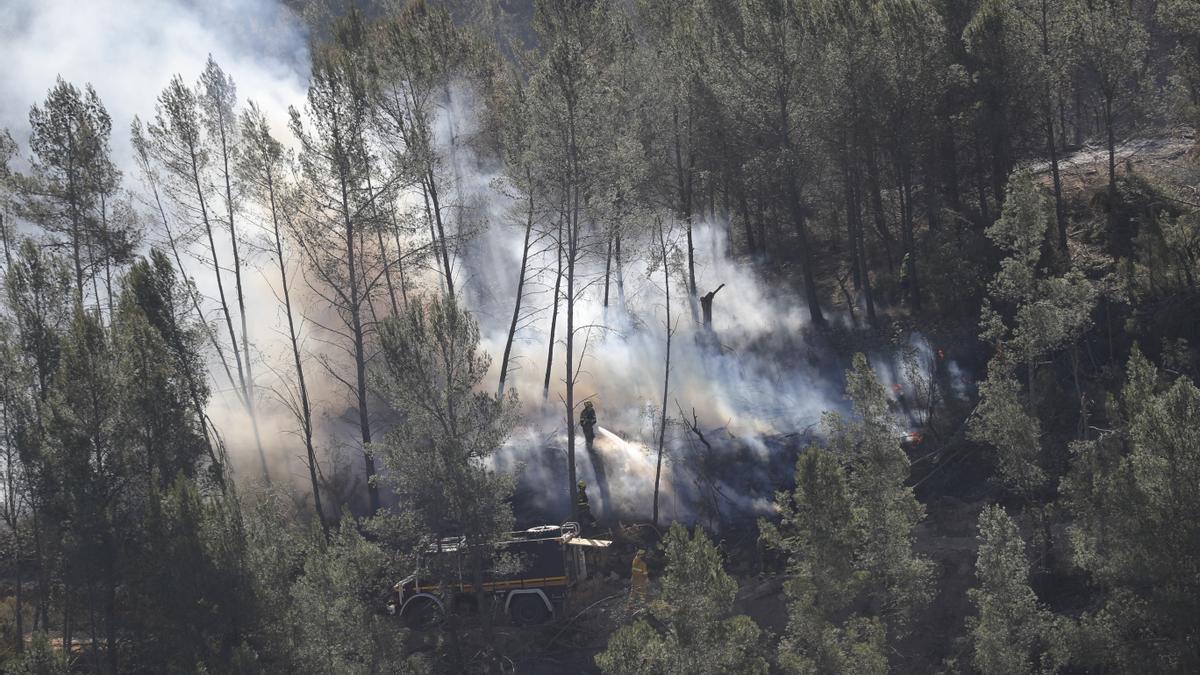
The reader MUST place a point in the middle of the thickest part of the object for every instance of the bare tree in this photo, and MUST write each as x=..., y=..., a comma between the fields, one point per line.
x=261, y=165
x=217, y=99
x=334, y=204
x=177, y=142
x=662, y=425
x=521, y=178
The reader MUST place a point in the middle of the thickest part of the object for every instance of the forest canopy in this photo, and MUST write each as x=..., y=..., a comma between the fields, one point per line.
x=861, y=334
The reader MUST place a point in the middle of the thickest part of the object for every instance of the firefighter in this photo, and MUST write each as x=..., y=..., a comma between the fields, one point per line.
x=639, y=579
x=587, y=420
x=587, y=522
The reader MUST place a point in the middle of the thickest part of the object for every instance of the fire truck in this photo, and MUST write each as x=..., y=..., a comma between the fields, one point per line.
x=553, y=559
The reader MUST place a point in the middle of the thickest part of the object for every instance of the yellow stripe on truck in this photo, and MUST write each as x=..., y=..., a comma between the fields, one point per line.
x=503, y=585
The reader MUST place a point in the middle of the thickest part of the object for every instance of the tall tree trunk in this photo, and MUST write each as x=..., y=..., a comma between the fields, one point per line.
x=607, y=269
x=1051, y=147
x=378, y=226
x=212, y=248
x=858, y=240
x=1060, y=217
x=360, y=352
x=554, y=310
x=980, y=186
x=18, y=592
x=248, y=380
x=620, y=276
x=193, y=295
x=110, y=618
x=876, y=186
x=512, y=327
x=105, y=245
x=910, y=251
x=76, y=228
x=1111, y=140
x=684, y=183
x=851, y=233
x=744, y=208
x=433, y=237
x=1078, y=121
x=662, y=426
x=68, y=635
x=93, y=636
x=399, y=256
x=575, y=183
x=799, y=220
x=441, y=232
x=294, y=340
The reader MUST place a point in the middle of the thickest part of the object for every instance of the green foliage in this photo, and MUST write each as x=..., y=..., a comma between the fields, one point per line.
x=429, y=371
x=1002, y=420
x=885, y=509
x=1049, y=311
x=1013, y=633
x=1135, y=499
x=191, y=597
x=1031, y=313
x=339, y=627
x=847, y=530
x=819, y=532
x=695, y=632
x=1181, y=18
x=40, y=658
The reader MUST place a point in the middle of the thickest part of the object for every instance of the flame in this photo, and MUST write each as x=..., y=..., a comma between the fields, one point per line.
x=915, y=437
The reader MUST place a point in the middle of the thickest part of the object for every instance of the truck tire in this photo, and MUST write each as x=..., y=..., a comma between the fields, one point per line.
x=422, y=615
x=527, y=610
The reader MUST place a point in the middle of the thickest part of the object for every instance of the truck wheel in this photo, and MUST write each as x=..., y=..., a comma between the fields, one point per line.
x=423, y=614
x=527, y=610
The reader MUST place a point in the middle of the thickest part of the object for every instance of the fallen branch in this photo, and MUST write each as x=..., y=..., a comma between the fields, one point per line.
x=581, y=613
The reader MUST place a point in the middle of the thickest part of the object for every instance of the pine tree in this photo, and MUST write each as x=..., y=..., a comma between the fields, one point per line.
x=180, y=142
x=421, y=55
x=818, y=531
x=1037, y=38
x=765, y=43
x=1134, y=498
x=1031, y=312
x=331, y=234
x=437, y=459
x=72, y=172
x=1014, y=632
x=262, y=166
x=691, y=629
x=217, y=99
x=1114, y=46
x=848, y=536
x=337, y=628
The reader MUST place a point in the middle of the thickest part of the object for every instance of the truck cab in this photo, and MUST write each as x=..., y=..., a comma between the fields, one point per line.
x=552, y=560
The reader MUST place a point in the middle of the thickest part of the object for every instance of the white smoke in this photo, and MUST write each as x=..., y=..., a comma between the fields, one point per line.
x=130, y=49
x=756, y=385
x=758, y=381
